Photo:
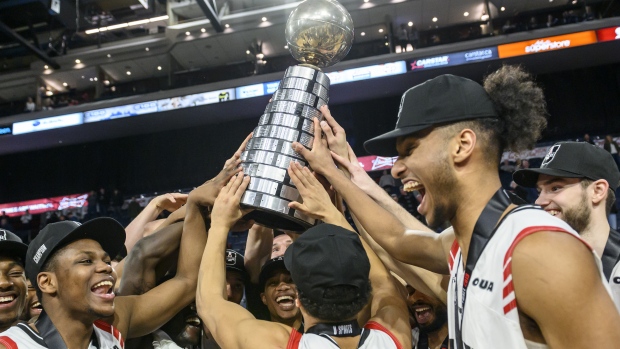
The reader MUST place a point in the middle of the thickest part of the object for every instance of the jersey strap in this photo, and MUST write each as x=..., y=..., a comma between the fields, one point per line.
x=373, y=325
x=294, y=339
x=611, y=254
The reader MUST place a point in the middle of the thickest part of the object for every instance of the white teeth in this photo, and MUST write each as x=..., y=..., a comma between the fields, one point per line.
x=36, y=305
x=411, y=186
x=284, y=298
x=103, y=283
x=553, y=212
x=194, y=321
x=7, y=299
x=421, y=310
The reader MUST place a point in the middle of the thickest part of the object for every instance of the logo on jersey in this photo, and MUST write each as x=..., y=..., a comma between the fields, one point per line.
x=3, y=235
x=550, y=155
x=231, y=258
x=483, y=284
x=341, y=330
x=616, y=280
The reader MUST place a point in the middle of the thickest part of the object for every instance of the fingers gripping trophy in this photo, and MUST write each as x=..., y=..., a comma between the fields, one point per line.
x=319, y=34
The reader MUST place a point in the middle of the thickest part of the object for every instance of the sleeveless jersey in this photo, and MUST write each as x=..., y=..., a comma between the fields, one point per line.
x=491, y=319
x=374, y=336
x=22, y=336
x=611, y=264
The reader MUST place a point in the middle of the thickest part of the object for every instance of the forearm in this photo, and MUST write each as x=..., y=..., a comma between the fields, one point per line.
x=384, y=200
x=192, y=244
x=134, y=230
x=212, y=274
x=257, y=250
x=146, y=255
x=421, y=279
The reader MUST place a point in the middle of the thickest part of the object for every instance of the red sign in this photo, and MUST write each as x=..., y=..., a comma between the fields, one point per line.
x=608, y=34
x=43, y=205
x=376, y=163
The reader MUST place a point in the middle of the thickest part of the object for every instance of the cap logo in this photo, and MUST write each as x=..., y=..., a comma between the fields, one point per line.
x=231, y=258
x=550, y=155
x=40, y=251
x=400, y=108
x=2, y=235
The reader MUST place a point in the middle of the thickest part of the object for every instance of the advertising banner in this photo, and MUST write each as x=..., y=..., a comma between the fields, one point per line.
x=547, y=44
x=452, y=59
x=47, y=123
x=43, y=205
x=608, y=34
x=369, y=72
x=122, y=111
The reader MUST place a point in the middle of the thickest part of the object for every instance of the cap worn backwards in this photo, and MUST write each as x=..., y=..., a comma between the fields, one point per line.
x=106, y=231
x=444, y=99
x=573, y=160
x=235, y=262
x=326, y=256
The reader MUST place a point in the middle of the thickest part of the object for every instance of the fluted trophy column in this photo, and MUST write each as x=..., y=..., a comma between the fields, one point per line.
x=319, y=33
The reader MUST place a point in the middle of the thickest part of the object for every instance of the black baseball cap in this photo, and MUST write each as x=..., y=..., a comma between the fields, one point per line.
x=267, y=270
x=235, y=262
x=326, y=256
x=109, y=233
x=573, y=160
x=442, y=100
x=12, y=246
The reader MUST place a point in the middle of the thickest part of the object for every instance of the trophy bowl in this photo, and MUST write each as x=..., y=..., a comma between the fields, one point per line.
x=319, y=34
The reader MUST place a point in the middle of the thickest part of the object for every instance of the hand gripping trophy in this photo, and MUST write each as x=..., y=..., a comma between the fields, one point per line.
x=319, y=34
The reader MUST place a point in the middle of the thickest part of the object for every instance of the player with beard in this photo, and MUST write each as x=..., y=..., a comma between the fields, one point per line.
x=577, y=183
x=33, y=307
x=279, y=293
x=69, y=264
x=13, y=289
x=431, y=317
x=449, y=138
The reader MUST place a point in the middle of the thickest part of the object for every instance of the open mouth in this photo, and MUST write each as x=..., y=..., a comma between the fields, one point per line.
x=193, y=321
x=423, y=314
x=7, y=300
x=36, y=307
x=553, y=212
x=286, y=302
x=104, y=289
x=411, y=186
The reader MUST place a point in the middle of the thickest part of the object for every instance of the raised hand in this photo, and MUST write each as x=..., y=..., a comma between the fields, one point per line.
x=169, y=202
x=351, y=165
x=319, y=157
x=226, y=210
x=334, y=133
x=205, y=194
x=316, y=201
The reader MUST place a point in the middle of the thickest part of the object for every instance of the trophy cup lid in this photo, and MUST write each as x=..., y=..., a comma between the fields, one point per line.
x=319, y=32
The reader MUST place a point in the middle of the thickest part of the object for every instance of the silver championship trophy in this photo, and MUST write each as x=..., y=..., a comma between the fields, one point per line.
x=319, y=33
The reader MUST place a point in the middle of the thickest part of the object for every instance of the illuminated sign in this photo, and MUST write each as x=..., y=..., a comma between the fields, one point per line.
x=454, y=58
x=376, y=163
x=370, y=72
x=120, y=111
x=47, y=123
x=6, y=130
x=608, y=34
x=250, y=91
x=43, y=205
x=271, y=87
x=546, y=44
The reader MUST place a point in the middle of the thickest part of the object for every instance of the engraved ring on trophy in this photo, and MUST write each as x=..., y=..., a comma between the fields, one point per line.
x=319, y=33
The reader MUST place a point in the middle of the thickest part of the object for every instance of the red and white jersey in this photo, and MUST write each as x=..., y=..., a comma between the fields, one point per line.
x=374, y=336
x=22, y=336
x=614, y=284
x=491, y=319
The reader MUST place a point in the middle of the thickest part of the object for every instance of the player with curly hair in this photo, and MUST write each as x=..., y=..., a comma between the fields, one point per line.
x=518, y=275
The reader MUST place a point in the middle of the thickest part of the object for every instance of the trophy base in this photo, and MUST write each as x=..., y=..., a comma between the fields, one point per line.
x=277, y=220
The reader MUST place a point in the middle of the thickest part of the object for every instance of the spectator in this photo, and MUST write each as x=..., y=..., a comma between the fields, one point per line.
x=403, y=36
x=116, y=202
x=508, y=27
x=92, y=205
x=102, y=203
x=507, y=166
x=551, y=21
x=532, y=24
x=30, y=106
x=5, y=224
x=3, y=215
x=134, y=208
x=387, y=182
x=26, y=218
x=612, y=147
x=589, y=15
x=586, y=138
